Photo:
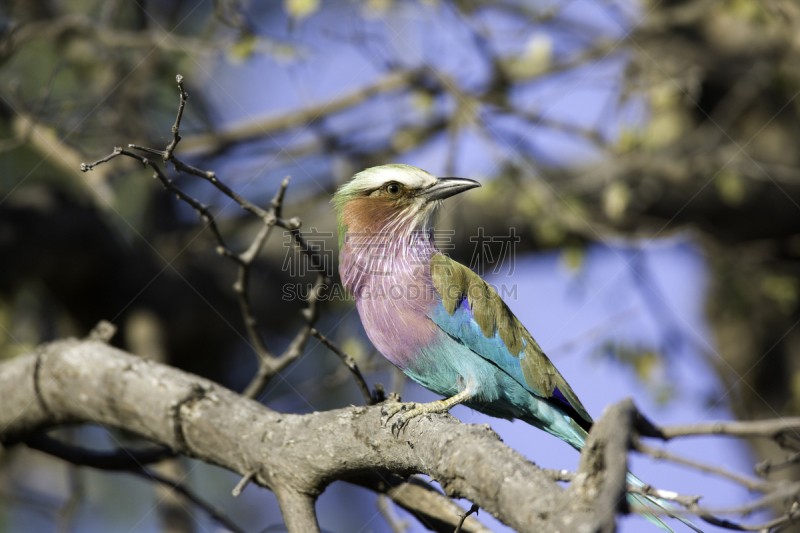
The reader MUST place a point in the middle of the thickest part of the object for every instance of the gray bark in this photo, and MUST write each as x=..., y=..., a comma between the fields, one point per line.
x=295, y=456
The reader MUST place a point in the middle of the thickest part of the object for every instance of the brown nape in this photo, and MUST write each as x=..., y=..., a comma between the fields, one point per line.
x=371, y=212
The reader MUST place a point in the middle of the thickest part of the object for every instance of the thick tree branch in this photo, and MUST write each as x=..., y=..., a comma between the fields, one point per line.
x=296, y=456
x=604, y=464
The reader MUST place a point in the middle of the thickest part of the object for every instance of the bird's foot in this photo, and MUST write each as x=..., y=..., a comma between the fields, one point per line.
x=391, y=408
x=411, y=410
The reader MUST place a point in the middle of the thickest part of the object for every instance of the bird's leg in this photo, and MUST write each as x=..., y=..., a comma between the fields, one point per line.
x=416, y=409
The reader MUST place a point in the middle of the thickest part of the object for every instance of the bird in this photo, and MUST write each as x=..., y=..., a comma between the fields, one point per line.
x=439, y=322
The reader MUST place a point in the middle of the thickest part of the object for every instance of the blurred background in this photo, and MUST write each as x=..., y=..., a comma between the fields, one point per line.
x=640, y=210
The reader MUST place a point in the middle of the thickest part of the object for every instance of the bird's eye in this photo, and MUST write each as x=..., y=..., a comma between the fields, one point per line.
x=393, y=189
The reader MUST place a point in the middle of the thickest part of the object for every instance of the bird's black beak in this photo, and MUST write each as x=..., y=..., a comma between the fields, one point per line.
x=447, y=187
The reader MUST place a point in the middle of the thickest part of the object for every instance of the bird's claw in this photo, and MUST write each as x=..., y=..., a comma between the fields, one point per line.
x=390, y=409
x=400, y=424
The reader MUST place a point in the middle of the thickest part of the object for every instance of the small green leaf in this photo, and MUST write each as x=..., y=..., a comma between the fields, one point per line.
x=730, y=186
x=300, y=9
x=422, y=101
x=783, y=290
x=380, y=6
x=243, y=48
x=550, y=232
x=536, y=58
x=353, y=347
x=573, y=257
x=616, y=197
x=628, y=140
x=664, y=127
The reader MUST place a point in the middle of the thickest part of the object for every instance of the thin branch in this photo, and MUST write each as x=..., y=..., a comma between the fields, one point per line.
x=121, y=459
x=788, y=494
x=604, y=464
x=764, y=468
x=125, y=460
x=242, y=285
x=350, y=363
x=269, y=365
x=269, y=368
x=384, y=505
x=750, y=484
x=247, y=478
x=647, y=490
x=430, y=507
x=212, y=178
x=788, y=518
x=393, y=81
x=67, y=512
x=184, y=491
x=781, y=430
x=202, y=210
x=473, y=509
x=298, y=511
x=176, y=138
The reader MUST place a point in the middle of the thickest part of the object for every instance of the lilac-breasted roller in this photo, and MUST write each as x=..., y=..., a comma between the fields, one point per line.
x=438, y=321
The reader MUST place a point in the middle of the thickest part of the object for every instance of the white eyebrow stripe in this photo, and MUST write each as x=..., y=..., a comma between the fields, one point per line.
x=411, y=177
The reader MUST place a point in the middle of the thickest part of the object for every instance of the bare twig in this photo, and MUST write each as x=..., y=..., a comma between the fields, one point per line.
x=125, y=461
x=237, y=490
x=560, y=475
x=269, y=365
x=122, y=459
x=647, y=490
x=763, y=468
x=175, y=134
x=384, y=504
x=66, y=514
x=786, y=495
x=788, y=518
x=242, y=285
x=433, y=509
x=251, y=130
x=750, y=484
x=350, y=363
x=473, y=509
x=202, y=210
x=780, y=430
x=269, y=368
x=184, y=491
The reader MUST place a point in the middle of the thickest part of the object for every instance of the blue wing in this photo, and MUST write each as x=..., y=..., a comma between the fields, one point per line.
x=472, y=313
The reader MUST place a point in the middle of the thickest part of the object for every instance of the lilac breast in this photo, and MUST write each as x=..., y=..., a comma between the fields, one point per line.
x=394, y=294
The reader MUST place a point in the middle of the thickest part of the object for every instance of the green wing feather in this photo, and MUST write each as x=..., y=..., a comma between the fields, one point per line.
x=503, y=340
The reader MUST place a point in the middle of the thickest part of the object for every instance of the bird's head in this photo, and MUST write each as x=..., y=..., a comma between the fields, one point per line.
x=394, y=198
